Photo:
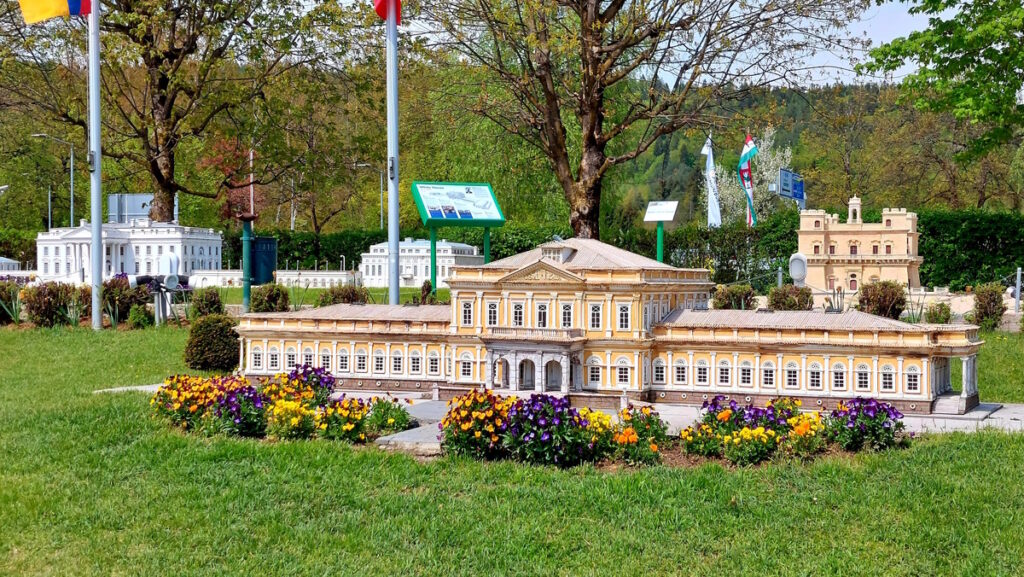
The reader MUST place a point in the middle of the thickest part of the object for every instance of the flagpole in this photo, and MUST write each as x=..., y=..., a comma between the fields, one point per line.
x=95, y=154
x=392, y=97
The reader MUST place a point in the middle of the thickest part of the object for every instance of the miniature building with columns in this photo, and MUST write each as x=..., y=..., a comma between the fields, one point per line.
x=851, y=254
x=598, y=323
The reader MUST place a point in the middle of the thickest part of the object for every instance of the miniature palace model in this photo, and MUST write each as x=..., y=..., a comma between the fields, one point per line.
x=600, y=323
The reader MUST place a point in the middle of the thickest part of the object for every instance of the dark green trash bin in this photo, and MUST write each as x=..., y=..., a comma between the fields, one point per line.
x=264, y=259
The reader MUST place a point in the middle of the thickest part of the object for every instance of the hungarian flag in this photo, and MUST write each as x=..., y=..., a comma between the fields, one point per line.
x=381, y=7
x=38, y=10
x=747, y=178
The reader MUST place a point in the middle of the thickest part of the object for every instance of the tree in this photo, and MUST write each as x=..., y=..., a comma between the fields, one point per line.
x=765, y=166
x=171, y=71
x=594, y=83
x=969, y=63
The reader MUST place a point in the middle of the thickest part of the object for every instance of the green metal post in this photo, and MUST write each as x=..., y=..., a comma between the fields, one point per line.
x=246, y=263
x=487, y=244
x=433, y=260
x=661, y=241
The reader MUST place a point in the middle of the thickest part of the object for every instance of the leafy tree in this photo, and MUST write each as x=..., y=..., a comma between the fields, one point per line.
x=594, y=84
x=969, y=63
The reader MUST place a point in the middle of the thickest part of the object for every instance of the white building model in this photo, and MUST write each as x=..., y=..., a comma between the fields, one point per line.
x=415, y=262
x=134, y=247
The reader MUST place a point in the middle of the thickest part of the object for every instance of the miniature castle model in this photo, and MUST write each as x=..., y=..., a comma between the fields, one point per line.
x=415, y=262
x=851, y=254
x=596, y=322
x=133, y=247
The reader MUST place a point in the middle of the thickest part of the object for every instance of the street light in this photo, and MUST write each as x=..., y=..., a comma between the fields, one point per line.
x=71, y=169
x=366, y=165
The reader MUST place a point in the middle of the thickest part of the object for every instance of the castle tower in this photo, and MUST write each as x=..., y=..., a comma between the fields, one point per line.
x=855, y=214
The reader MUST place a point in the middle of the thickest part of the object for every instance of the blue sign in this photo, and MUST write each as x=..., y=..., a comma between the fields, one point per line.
x=791, y=185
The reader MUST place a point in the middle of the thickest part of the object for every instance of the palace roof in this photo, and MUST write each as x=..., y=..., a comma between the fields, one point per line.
x=850, y=320
x=367, y=312
x=581, y=254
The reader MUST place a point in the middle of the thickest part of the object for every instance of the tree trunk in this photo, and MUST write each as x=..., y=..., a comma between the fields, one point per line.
x=584, y=209
x=162, y=209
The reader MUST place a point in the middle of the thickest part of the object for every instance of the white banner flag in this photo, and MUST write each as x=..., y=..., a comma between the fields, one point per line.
x=714, y=210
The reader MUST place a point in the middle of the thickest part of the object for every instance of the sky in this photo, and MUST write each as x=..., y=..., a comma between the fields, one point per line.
x=881, y=24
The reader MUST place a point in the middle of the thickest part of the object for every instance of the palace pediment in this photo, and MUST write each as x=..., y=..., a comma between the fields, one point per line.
x=541, y=272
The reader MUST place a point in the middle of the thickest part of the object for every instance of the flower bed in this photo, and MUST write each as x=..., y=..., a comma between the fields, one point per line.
x=297, y=405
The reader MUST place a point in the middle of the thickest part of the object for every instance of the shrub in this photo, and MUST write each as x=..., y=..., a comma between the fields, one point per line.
x=386, y=417
x=140, y=317
x=10, y=302
x=242, y=412
x=642, y=435
x=790, y=298
x=546, y=430
x=344, y=420
x=269, y=298
x=740, y=297
x=343, y=294
x=473, y=424
x=119, y=298
x=938, y=313
x=989, y=306
x=883, y=298
x=184, y=399
x=292, y=420
x=206, y=301
x=867, y=423
x=212, y=344
x=51, y=303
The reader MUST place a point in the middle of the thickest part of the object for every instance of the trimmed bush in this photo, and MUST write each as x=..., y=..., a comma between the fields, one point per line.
x=343, y=294
x=269, y=298
x=938, y=313
x=119, y=298
x=140, y=317
x=206, y=301
x=883, y=298
x=989, y=306
x=212, y=344
x=790, y=298
x=9, y=302
x=736, y=297
x=51, y=304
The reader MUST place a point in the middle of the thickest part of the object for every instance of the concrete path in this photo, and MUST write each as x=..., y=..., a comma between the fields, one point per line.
x=149, y=389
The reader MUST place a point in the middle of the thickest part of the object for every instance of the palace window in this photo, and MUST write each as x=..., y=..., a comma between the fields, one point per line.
x=274, y=359
x=792, y=376
x=723, y=373
x=467, y=313
x=659, y=372
x=622, y=375
x=874, y=249
x=566, y=316
x=817, y=249
x=595, y=317
x=623, y=317
x=703, y=373
x=831, y=249
x=888, y=249
x=817, y=224
x=289, y=359
x=257, y=359
x=814, y=376
x=768, y=375
x=396, y=362
x=853, y=282
x=888, y=382
x=307, y=357
x=863, y=378
x=839, y=377
x=415, y=364
x=517, y=314
x=542, y=316
x=888, y=222
x=325, y=360
x=680, y=370
x=594, y=375
x=361, y=361
x=466, y=367
x=853, y=250
x=433, y=364
x=378, y=362
x=46, y=268
x=746, y=374
x=342, y=361
x=913, y=380
x=492, y=314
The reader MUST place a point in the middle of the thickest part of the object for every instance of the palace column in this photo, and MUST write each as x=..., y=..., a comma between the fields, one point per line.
x=513, y=372
x=565, y=373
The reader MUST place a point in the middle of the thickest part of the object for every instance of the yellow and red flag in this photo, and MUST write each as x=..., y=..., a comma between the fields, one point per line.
x=38, y=10
x=381, y=7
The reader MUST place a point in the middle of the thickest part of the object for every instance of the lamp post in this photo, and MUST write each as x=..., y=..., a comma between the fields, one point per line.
x=381, y=171
x=71, y=169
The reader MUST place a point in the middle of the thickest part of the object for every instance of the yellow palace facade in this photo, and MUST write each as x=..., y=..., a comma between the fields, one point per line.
x=599, y=323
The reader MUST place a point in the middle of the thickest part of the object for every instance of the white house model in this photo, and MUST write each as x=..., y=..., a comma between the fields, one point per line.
x=415, y=262
x=134, y=247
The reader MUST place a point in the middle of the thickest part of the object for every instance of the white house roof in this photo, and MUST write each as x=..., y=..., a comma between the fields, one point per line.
x=424, y=243
x=6, y=260
x=585, y=253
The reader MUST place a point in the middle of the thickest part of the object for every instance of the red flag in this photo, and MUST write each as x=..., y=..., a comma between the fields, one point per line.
x=381, y=7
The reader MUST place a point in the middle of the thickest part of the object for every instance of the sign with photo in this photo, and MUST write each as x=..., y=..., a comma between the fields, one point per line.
x=457, y=204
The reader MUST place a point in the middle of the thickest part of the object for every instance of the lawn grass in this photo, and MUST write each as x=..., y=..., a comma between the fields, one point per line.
x=233, y=295
x=90, y=485
x=1000, y=368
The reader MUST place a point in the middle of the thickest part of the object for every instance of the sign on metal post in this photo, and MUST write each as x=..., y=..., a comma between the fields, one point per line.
x=661, y=211
x=791, y=185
